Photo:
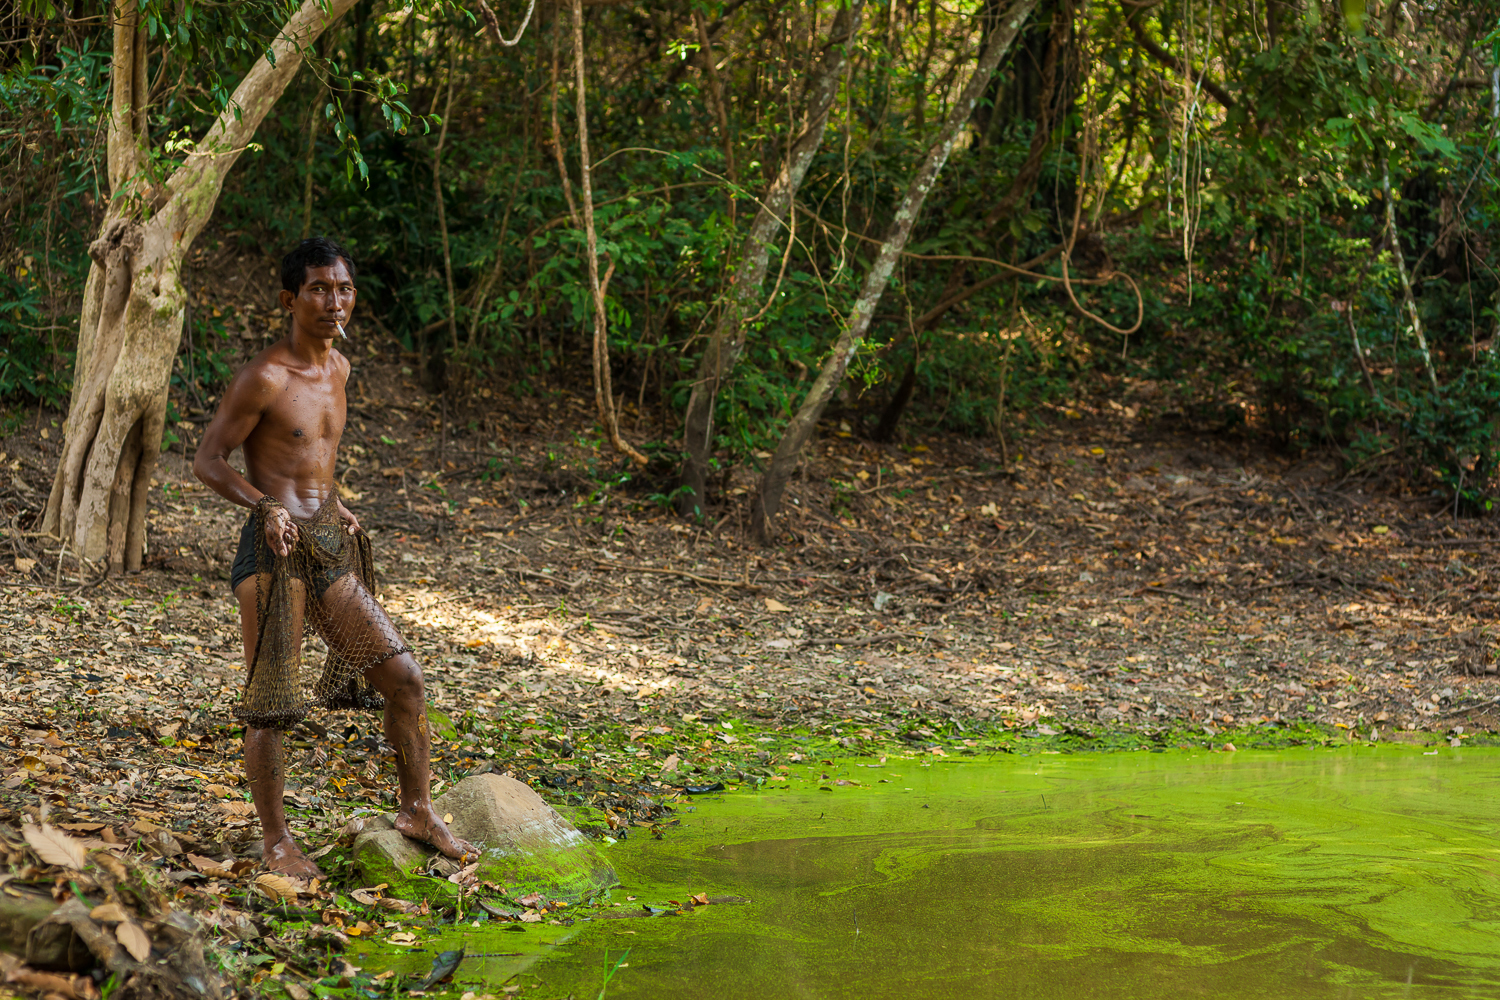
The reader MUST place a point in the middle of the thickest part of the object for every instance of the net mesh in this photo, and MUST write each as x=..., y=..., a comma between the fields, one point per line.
x=326, y=581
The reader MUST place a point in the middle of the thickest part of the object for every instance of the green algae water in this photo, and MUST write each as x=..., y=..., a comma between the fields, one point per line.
x=1358, y=872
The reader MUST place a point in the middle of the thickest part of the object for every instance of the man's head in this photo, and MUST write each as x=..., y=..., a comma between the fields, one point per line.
x=317, y=288
x=316, y=252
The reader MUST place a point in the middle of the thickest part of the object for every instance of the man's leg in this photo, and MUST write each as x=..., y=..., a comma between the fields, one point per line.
x=352, y=621
x=399, y=679
x=265, y=765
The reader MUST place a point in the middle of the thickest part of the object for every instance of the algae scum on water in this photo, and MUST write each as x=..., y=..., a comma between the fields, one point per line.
x=1358, y=872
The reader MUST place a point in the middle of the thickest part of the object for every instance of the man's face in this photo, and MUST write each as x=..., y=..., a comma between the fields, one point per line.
x=325, y=300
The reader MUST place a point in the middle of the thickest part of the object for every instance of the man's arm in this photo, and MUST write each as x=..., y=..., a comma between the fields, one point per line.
x=245, y=401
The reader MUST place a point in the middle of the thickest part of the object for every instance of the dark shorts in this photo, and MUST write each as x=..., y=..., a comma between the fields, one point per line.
x=247, y=565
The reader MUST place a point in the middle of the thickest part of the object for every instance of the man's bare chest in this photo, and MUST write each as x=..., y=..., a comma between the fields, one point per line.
x=305, y=412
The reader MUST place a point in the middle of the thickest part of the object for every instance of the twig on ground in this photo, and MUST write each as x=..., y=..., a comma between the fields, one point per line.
x=1469, y=708
x=870, y=640
x=711, y=581
x=1158, y=591
x=1021, y=542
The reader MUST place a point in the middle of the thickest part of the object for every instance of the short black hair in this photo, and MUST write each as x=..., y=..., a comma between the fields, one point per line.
x=316, y=251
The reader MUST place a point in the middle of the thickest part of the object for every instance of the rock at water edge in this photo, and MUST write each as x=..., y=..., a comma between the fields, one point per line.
x=526, y=846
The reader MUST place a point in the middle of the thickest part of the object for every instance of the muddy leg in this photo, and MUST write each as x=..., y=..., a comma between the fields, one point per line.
x=265, y=768
x=399, y=679
x=352, y=622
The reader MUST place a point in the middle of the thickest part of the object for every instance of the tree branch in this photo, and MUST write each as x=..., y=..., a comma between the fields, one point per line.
x=216, y=154
x=1170, y=61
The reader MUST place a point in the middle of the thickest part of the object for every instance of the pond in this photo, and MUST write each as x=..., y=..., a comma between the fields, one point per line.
x=1356, y=872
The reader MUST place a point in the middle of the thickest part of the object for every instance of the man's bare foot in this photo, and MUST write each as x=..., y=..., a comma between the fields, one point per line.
x=421, y=823
x=284, y=857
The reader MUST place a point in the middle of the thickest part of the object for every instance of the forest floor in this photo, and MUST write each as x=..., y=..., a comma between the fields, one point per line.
x=1115, y=584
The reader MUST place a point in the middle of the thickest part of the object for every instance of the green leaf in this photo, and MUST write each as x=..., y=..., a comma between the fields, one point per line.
x=1354, y=15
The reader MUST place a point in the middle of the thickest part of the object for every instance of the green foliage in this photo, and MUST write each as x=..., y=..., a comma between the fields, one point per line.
x=1274, y=162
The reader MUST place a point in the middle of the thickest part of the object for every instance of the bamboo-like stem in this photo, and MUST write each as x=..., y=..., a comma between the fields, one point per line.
x=308, y=160
x=604, y=398
x=1406, y=293
x=721, y=108
x=437, y=192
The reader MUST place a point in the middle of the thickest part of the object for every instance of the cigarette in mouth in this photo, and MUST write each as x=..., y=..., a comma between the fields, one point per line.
x=340, y=327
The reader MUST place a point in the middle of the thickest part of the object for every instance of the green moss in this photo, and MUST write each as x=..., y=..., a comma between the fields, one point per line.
x=571, y=872
x=590, y=821
x=376, y=866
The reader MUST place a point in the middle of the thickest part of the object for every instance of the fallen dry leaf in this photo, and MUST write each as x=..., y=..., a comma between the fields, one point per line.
x=772, y=604
x=276, y=887
x=162, y=843
x=109, y=913
x=114, y=866
x=395, y=905
x=52, y=984
x=53, y=846
x=134, y=941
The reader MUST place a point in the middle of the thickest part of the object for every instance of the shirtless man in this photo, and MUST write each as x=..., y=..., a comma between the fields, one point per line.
x=286, y=407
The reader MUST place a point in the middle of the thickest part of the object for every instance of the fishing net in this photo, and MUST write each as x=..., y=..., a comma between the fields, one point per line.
x=327, y=582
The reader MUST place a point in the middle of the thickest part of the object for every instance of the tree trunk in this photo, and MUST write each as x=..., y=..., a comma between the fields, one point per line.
x=891, y=416
x=768, y=498
x=743, y=299
x=131, y=322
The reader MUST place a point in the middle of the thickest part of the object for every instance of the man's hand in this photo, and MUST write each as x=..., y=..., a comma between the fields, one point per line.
x=281, y=531
x=351, y=523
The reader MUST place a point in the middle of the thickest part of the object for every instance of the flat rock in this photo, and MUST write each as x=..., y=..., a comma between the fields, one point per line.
x=525, y=845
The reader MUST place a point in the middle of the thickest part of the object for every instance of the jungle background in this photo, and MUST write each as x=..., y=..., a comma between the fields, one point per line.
x=1170, y=421
x=1232, y=160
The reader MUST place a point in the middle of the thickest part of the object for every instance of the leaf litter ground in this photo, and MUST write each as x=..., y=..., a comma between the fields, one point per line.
x=1113, y=585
